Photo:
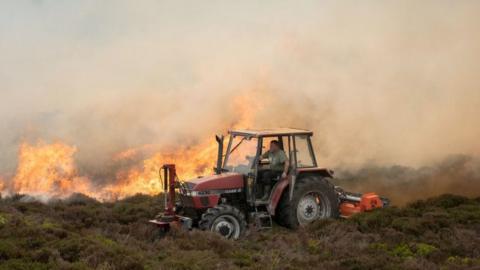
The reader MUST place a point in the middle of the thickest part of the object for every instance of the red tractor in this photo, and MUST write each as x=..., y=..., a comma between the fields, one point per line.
x=228, y=201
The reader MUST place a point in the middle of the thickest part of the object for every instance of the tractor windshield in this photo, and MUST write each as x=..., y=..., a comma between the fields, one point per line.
x=241, y=154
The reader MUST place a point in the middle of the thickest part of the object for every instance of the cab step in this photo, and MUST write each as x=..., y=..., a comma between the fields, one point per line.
x=263, y=220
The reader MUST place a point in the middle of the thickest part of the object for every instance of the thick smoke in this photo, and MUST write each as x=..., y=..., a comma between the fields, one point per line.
x=380, y=83
x=457, y=174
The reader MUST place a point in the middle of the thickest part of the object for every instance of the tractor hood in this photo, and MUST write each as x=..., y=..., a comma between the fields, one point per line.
x=216, y=182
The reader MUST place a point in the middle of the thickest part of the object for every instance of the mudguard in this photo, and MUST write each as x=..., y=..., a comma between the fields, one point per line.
x=277, y=194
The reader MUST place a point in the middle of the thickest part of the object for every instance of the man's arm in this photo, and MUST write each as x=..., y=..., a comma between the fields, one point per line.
x=286, y=165
x=285, y=168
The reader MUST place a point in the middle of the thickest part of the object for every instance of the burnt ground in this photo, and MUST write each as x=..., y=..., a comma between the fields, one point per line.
x=438, y=233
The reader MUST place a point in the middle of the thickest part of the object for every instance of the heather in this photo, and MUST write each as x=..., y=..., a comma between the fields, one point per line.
x=81, y=233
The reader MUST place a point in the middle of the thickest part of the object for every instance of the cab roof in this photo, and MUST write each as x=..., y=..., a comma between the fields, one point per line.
x=270, y=132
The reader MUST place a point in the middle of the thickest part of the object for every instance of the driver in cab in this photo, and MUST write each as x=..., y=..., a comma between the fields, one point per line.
x=278, y=167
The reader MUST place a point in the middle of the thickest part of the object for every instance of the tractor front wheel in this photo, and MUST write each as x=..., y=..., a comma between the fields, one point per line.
x=225, y=220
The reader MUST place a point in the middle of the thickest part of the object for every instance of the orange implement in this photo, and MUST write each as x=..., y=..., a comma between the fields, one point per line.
x=368, y=202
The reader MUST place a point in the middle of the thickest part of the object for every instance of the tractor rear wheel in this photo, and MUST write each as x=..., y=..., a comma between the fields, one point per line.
x=313, y=198
x=224, y=219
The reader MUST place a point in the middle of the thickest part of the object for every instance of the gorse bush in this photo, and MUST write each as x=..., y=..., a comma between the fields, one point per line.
x=81, y=233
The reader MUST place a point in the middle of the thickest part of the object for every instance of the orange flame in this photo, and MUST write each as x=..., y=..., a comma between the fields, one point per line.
x=191, y=162
x=48, y=170
x=2, y=186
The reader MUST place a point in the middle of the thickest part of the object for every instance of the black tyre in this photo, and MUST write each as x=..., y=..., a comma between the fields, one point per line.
x=313, y=198
x=224, y=219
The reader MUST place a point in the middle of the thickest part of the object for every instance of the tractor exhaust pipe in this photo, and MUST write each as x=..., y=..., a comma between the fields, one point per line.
x=219, y=139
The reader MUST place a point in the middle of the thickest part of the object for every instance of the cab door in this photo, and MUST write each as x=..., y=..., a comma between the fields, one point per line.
x=252, y=177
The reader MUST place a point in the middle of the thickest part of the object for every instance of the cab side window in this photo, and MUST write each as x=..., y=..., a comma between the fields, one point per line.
x=288, y=148
x=303, y=151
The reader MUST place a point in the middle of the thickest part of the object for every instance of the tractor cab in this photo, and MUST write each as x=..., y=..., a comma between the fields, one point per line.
x=245, y=149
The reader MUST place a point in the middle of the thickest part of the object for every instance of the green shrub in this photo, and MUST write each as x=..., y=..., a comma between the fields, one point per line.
x=242, y=258
x=424, y=250
x=3, y=219
x=70, y=248
x=408, y=225
x=8, y=249
x=463, y=261
x=379, y=246
x=21, y=264
x=313, y=246
x=465, y=214
x=402, y=251
x=448, y=201
x=191, y=260
x=375, y=220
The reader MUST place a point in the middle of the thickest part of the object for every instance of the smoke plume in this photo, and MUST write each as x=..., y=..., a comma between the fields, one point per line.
x=389, y=88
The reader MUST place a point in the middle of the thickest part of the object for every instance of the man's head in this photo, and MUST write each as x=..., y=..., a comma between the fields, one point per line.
x=274, y=146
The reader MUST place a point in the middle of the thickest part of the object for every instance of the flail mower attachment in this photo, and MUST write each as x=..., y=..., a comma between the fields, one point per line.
x=354, y=203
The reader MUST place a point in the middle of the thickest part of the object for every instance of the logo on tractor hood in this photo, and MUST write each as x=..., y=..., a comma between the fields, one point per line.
x=216, y=182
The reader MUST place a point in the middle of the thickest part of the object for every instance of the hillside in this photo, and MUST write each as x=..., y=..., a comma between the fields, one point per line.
x=81, y=233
